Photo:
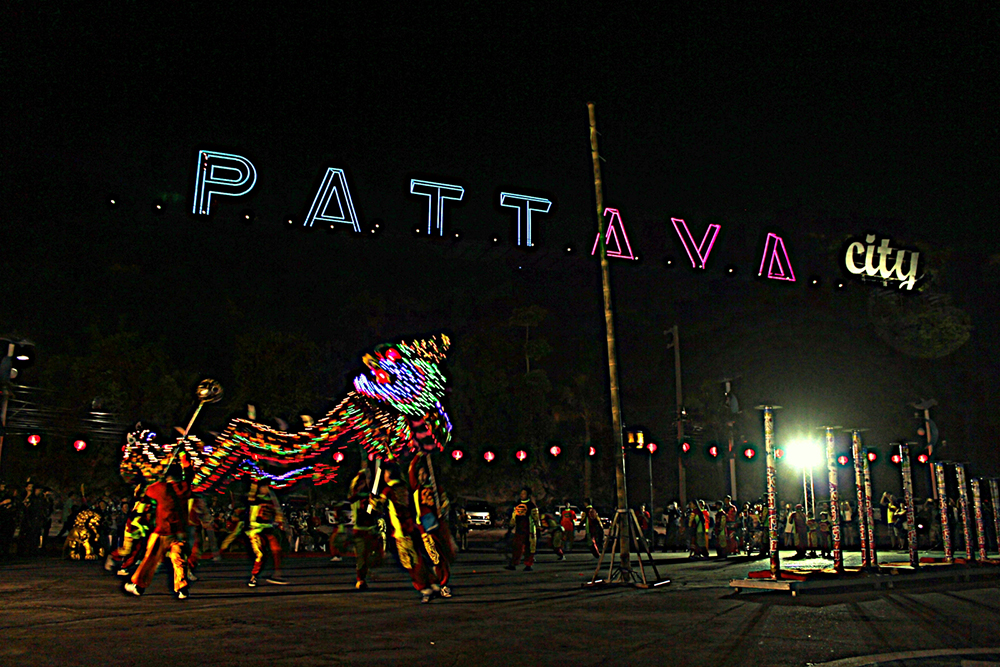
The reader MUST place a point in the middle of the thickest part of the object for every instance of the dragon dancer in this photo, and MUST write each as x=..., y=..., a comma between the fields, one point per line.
x=524, y=521
x=395, y=496
x=265, y=519
x=432, y=521
x=137, y=525
x=368, y=548
x=169, y=535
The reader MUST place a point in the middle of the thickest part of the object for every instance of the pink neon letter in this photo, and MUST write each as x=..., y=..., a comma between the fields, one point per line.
x=774, y=243
x=704, y=249
x=615, y=222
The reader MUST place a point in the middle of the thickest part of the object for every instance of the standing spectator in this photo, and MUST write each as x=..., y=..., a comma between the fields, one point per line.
x=524, y=521
x=789, y=527
x=824, y=534
x=8, y=519
x=463, y=529
x=32, y=520
x=567, y=518
x=798, y=521
x=847, y=515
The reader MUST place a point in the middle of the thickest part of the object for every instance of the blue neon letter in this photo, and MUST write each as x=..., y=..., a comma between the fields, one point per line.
x=222, y=174
x=435, y=193
x=332, y=203
x=527, y=205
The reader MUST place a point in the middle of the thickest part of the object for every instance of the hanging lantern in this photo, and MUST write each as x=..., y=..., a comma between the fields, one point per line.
x=457, y=454
x=489, y=456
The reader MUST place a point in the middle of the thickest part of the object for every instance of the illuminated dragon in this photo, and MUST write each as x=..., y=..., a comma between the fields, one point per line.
x=394, y=407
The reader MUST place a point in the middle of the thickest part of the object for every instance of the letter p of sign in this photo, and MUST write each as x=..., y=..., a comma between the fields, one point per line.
x=222, y=174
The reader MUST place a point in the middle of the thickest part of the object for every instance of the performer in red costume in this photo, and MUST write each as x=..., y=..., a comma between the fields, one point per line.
x=395, y=497
x=368, y=548
x=138, y=524
x=524, y=520
x=169, y=535
x=432, y=521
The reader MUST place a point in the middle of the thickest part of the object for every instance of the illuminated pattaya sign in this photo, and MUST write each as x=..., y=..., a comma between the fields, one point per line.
x=882, y=271
x=220, y=174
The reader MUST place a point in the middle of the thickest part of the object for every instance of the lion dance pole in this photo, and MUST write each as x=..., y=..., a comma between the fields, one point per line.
x=949, y=555
x=831, y=466
x=859, y=479
x=996, y=511
x=963, y=505
x=772, y=490
x=911, y=523
x=869, y=515
x=977, y=505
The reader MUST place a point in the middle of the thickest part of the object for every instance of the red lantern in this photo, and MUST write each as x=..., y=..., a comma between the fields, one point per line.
x=651, y=447
x=457, y=454
x=489, y=456
x=922, y=458
x=713, y=451
x=338, y=456
x=79, y=445
x=521, y=455
x=778, y=453
x=872, y=456
x=896, y=458
x=34, y=439
x=843, y=460
x=555, y=450
x=592, y=452
x=749, y=453
x=685, y=447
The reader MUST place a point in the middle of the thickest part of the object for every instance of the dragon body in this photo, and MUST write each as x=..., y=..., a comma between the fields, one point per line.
x=395, y=406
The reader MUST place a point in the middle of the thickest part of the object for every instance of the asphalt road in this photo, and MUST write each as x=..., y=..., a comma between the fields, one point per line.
x=55, y=612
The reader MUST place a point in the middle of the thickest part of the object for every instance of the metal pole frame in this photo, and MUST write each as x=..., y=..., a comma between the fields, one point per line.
x=939, y=470
x=911, y=523
x=831, y=467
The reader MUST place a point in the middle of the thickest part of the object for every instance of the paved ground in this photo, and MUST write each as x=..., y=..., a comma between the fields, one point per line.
x=55, y=612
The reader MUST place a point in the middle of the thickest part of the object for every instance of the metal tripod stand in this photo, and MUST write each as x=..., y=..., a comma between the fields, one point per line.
x=626, y=526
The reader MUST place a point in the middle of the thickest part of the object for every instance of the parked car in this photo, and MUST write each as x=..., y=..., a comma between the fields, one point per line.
x=480, y=514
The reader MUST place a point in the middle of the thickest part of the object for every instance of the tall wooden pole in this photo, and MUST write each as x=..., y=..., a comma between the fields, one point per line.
x=772, y=490
x=609, y=325
x=831, y=468
x=681, y=477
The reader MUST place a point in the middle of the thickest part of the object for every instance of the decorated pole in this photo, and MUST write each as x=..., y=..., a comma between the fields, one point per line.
x=996, y=511
x=831, y=466
x=963, y=506
x=942, y=488
x=609, y=325
x=859, y=480
x=977, y=506
x=869, y=515
x=911, y=523
x=772, y=489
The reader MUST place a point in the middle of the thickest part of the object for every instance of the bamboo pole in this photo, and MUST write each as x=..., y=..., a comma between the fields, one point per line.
x=609, y=325
x=831, y=467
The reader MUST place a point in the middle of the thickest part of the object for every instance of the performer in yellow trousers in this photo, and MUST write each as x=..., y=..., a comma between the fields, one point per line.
x=265, y=520
x=169, y=535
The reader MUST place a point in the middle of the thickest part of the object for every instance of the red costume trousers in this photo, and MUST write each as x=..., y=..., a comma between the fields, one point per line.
x=157, y=547
x=521, y=547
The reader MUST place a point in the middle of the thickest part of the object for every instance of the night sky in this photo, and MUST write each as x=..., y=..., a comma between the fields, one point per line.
x=817, y=124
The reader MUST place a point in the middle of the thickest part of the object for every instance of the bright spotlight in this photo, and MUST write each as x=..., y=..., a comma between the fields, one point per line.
x=805, y=454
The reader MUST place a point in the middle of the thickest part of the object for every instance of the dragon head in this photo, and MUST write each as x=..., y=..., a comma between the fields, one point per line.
x=405, y=375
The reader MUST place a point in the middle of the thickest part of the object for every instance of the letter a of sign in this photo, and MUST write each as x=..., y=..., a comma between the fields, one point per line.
x=778, y=268
x=332, y=203
x=704, y=249
x=616, y=233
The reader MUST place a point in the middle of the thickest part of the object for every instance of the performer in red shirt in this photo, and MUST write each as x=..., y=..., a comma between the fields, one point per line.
x=567, y=518
x=395, y=496
x=432, y=521
x=170, y=533
x=368, y=548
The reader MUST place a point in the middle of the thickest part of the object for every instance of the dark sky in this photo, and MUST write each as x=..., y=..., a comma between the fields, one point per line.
x=852, y=117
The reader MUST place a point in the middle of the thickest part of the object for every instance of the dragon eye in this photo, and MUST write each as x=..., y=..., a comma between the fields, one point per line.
x=381, y=375
x=393, y=355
